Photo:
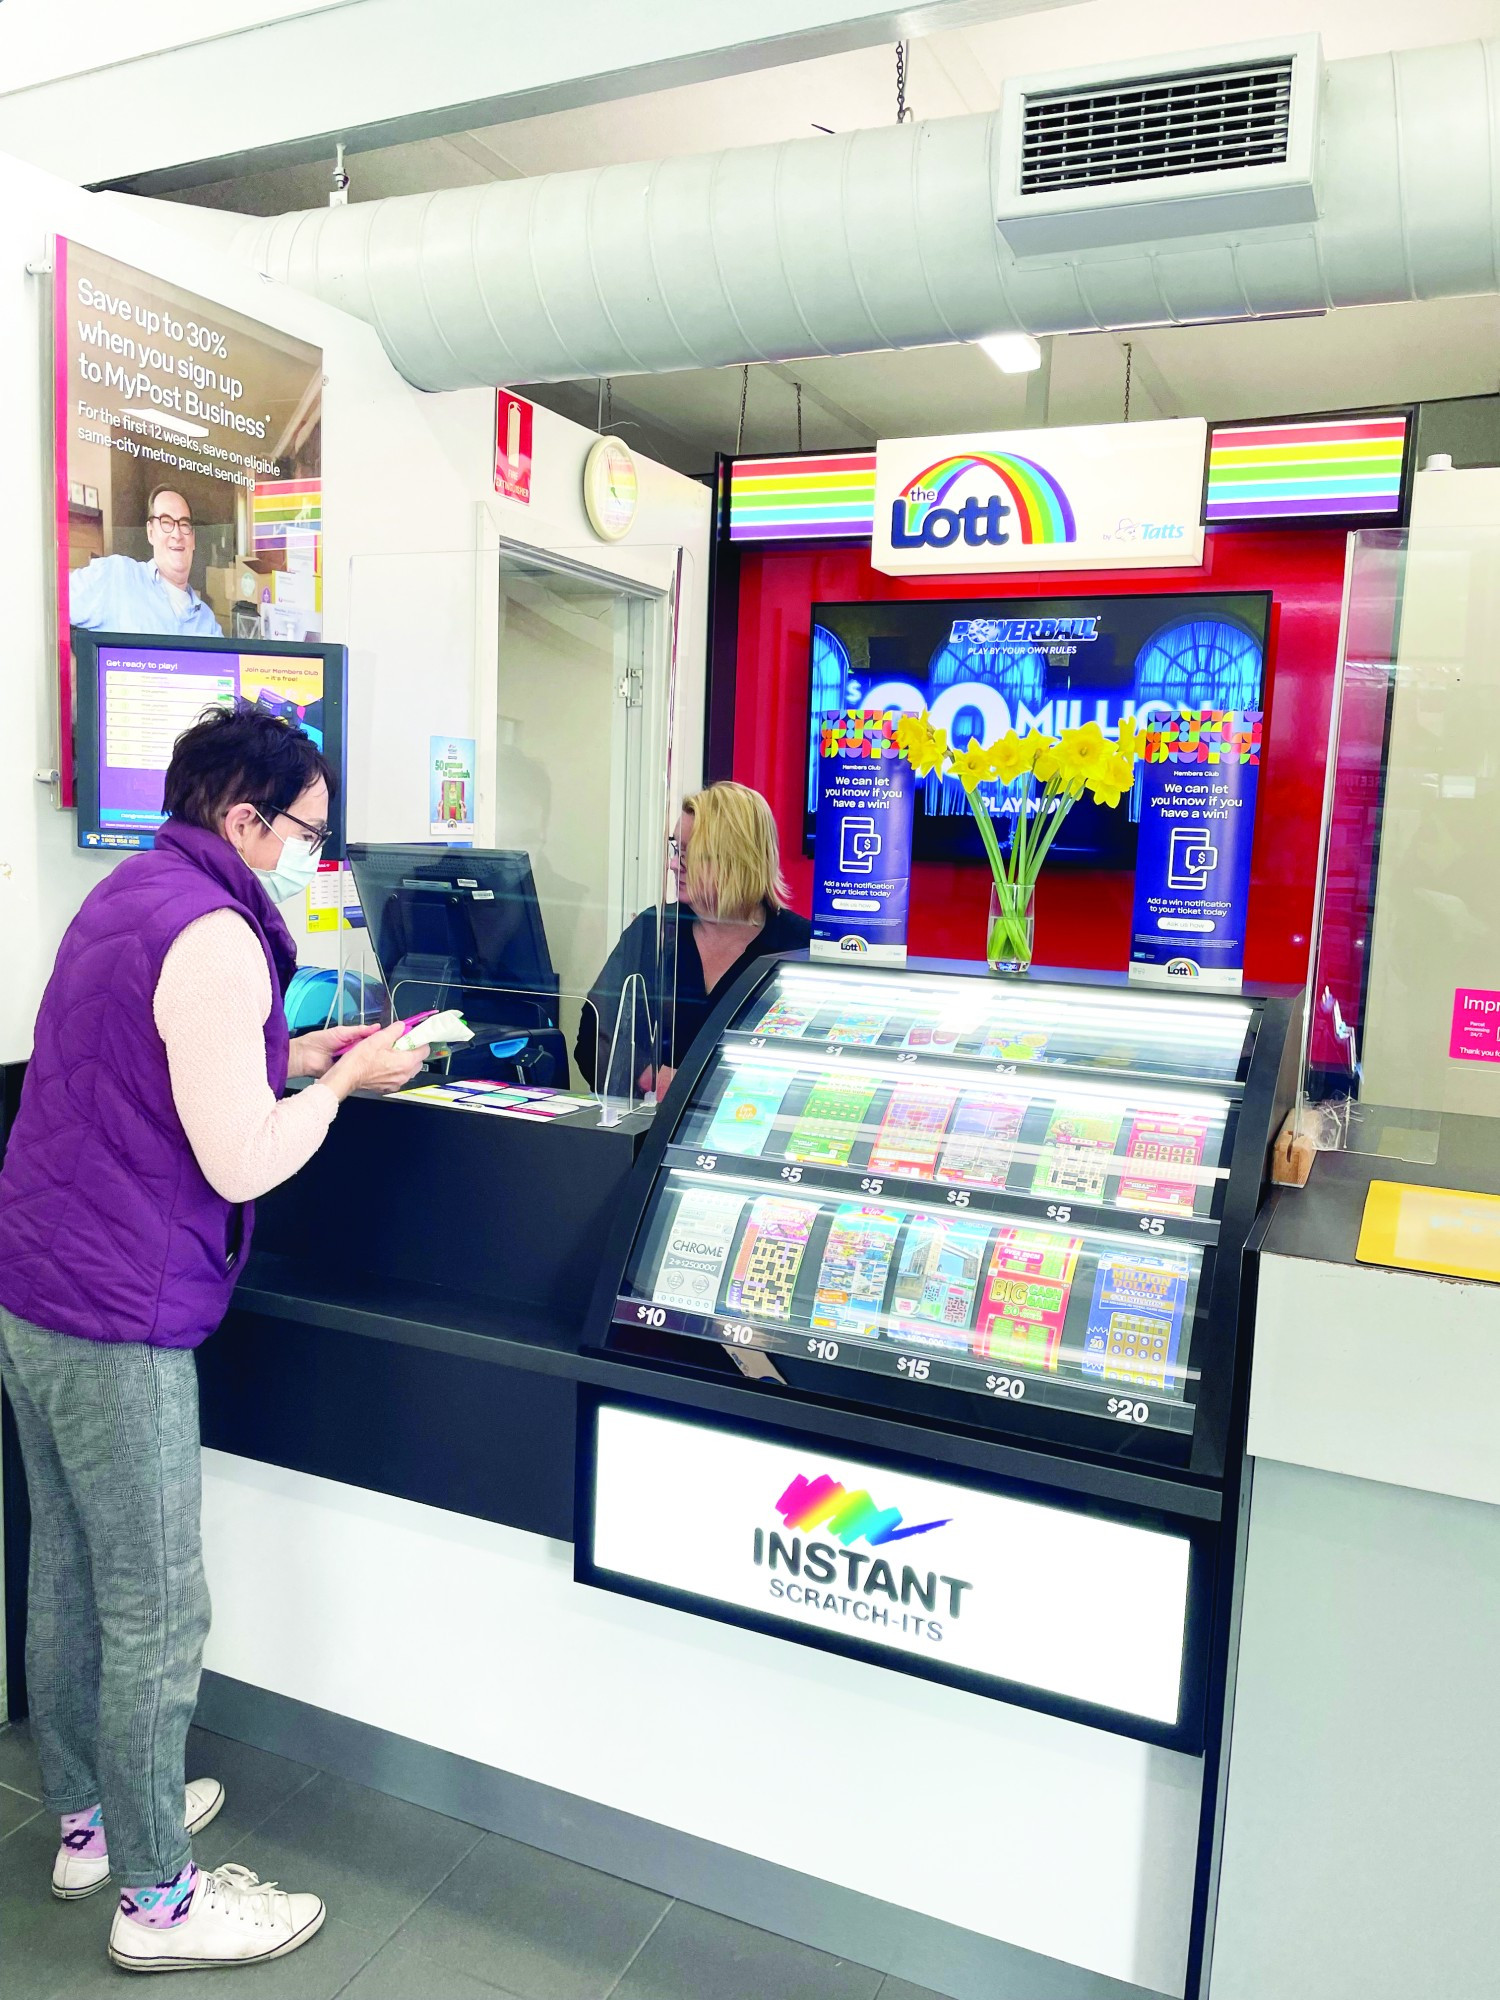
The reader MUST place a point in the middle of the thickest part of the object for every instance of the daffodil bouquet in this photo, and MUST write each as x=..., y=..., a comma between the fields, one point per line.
x=1046, y=777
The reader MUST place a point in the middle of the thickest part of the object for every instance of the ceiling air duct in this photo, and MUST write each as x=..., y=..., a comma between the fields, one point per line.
x=1234, y=184
x=1133, y=153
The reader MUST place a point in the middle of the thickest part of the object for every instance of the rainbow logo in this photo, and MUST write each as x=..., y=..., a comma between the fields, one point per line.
x=851, y=1517
x=1042, y=510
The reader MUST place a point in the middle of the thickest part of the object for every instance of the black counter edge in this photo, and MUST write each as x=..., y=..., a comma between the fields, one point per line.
x=512, y=1349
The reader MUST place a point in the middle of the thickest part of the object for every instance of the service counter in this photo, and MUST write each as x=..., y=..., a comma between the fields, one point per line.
x=410, y=1316
x=1360, y=1841
x=442, y=1309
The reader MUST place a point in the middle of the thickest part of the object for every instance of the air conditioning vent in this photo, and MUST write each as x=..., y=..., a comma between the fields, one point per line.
x=1203, y=123
x=1138, y=152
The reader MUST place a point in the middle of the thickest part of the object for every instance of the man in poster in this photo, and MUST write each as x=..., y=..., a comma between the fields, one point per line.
x=119, y=594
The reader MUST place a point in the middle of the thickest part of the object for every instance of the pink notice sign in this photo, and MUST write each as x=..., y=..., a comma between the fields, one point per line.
x=1476, y=1025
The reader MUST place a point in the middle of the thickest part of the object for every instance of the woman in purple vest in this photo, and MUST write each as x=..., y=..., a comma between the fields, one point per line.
x=151, y=1118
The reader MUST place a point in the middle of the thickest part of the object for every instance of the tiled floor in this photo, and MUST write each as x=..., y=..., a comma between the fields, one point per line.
x=420, y=1907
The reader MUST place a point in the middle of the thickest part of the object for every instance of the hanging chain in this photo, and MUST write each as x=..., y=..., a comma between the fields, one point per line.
x=599, y=412
x=609, y=402
x=799, y=416
x=1129, y=357
x=903, y=109
x=739, y=436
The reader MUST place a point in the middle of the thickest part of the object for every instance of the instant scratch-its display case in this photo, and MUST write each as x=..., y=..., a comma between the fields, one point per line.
x=966, y=1240
x=1015, y=1206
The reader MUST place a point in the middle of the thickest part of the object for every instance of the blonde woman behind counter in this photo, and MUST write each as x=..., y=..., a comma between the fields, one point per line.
x=731, y=908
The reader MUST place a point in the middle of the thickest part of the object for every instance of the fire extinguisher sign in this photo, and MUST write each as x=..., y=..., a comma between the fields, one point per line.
x=513, y=418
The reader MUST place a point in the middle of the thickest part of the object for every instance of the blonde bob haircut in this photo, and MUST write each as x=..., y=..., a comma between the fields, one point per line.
x=733, y=860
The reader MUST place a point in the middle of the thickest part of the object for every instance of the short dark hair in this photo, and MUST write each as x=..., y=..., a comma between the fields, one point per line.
x=241, y=756
x=157, y=491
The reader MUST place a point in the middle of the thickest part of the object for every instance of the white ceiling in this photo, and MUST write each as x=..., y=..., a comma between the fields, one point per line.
x=1344, y=360
x=1349, y=360
x=951, y=72
x=40, y=40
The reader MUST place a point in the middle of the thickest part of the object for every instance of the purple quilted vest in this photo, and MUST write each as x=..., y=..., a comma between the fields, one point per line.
x=108, y=1229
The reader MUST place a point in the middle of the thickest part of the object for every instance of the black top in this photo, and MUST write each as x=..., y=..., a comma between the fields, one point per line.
x=783, y=930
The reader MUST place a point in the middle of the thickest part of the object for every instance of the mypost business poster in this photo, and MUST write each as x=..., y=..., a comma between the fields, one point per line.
x=187, y=466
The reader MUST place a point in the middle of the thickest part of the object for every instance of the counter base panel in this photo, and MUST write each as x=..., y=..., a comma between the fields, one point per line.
x=1378, y=1374
x=472, y=1639
x=1359, y=1838
x=842, y=1922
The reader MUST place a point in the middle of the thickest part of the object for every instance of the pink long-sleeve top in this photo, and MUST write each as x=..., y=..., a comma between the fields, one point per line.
x=212, y=1000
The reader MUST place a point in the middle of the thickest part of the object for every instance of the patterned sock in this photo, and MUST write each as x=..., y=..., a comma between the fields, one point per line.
x=83, y=1832
x=164, y=1903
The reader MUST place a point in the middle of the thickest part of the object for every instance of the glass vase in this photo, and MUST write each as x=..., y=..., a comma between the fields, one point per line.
x=1012, y=926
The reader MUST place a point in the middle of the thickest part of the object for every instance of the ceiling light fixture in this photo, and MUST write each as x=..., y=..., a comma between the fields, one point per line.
x=1013, y=353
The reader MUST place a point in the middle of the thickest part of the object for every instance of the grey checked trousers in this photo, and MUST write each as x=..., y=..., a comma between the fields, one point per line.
x=118, y=1603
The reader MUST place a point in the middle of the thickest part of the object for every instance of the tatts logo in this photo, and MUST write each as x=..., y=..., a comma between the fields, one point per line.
x=1030, y=507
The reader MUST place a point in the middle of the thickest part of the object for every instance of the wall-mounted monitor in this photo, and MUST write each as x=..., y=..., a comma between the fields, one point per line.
x=136, y=696
x=982, y=666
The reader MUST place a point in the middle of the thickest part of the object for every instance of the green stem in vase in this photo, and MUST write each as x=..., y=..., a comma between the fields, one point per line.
x=1007, y=930
x=1064, y=805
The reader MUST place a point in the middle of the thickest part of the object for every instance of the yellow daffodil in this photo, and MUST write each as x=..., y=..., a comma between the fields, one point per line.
x=1112, y=779
x=1131, y=733
x=973, y=765
x=923, y=747
x=1047, y=760
x=1085, y=749
x=1013, y=755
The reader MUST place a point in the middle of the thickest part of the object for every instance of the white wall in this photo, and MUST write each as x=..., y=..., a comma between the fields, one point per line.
x=474, y=1638
x=402, y=472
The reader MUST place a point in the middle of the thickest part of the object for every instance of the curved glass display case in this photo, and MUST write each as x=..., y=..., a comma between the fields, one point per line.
x=1002, y=1204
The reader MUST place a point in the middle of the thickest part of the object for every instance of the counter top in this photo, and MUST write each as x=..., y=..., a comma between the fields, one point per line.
x=1320, y=1223
x=1366, y=1370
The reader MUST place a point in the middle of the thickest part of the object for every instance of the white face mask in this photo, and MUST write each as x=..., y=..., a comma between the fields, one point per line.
x=295, y=870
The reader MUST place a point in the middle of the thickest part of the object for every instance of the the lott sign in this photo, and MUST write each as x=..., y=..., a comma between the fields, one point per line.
x=935, y=1576
x=1103, y=496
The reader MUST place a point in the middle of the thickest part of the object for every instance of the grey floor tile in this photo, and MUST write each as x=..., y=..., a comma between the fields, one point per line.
x=256, y=1783
x=371, y=1858
x=398, y=1971
x=694, y=1953
x=45, y=1946
x=901, y=1989
x=15, y=1809
x=18, y=1765
x=533, y=1924
x=319, y=1970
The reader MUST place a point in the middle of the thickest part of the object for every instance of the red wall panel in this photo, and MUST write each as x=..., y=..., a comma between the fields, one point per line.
x=1082, y=919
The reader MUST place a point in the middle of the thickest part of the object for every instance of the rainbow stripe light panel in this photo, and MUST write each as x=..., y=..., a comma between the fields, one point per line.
x=802, y=499
x=1287, y=472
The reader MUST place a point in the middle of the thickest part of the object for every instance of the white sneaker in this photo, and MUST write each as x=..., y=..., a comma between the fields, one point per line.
x=76, y=1875
x=235, y=1919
